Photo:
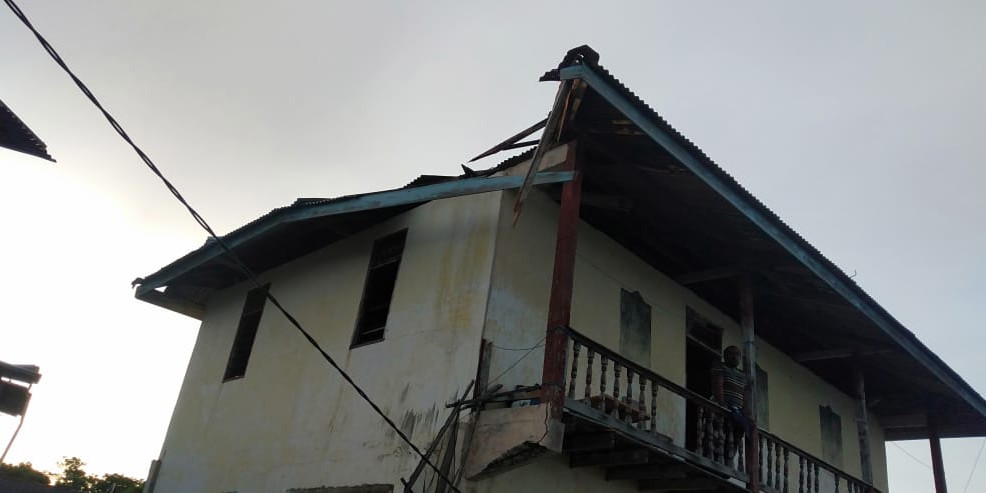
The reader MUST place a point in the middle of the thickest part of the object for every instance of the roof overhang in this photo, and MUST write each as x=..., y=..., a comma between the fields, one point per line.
x=290, y=232
x=715, y=230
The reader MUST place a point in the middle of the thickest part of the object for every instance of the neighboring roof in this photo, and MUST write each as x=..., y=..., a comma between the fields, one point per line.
x=678, y=211
x=21, y=373
x=15, y=135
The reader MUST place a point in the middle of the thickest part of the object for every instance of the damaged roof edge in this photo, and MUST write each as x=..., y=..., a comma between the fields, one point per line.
x=643, y=116
x=371, y=201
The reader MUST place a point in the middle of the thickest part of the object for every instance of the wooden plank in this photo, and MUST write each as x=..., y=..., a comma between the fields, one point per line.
x=650, y=471
x=613, y=458
x=684, y=484
x=586, y=442
x=714, y=274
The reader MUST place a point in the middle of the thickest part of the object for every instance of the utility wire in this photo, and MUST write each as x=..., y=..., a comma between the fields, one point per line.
x=919, y=461
x=222, y=244
x=974, y=465
x=515, y=363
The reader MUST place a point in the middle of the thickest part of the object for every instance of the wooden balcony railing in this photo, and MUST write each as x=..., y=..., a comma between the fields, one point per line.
x=814, y=474
x=629, y=393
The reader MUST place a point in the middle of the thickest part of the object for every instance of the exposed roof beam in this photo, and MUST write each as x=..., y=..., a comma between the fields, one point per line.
x=839, y=354
x=379, y=200
x=713, y=274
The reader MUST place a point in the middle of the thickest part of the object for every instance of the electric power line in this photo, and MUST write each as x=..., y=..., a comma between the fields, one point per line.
x=222, y=244
x=974, y=464
x=919, y=461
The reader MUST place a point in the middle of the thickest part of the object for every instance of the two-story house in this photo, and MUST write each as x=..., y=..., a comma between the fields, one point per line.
x=553, y=323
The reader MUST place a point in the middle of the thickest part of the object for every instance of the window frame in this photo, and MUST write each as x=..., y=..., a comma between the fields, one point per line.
x=375, y=265
x=243, y=326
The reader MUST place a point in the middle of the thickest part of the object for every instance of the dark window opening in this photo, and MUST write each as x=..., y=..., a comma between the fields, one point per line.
x=246, y=333
x=763, y=399
x=381, y=277
x=635, y=327
x=831, y=424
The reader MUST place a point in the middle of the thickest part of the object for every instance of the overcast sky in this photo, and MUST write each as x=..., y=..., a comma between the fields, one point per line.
x=860, y=124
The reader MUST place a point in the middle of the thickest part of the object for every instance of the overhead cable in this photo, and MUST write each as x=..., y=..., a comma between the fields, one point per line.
x=222, y=244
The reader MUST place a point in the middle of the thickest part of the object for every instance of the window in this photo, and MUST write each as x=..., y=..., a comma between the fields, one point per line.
x=831, y=425
x=246, y=332
x=381, y=276
x=763, y=399
x=634, y=327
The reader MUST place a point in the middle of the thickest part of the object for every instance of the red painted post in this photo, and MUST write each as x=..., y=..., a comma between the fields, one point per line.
x=560, y=303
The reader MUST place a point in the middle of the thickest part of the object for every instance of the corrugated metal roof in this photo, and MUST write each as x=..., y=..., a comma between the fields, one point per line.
x=15, y=135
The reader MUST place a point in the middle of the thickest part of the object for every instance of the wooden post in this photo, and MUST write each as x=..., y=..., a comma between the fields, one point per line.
x=937, y=465
x=560, y=303
x=863, y=425
x=750, y=368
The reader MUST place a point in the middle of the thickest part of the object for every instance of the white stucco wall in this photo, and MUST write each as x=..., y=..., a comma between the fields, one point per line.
x=467, y=273
x=291, y=422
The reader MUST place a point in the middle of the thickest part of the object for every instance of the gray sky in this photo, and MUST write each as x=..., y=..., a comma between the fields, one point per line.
x=859, y=124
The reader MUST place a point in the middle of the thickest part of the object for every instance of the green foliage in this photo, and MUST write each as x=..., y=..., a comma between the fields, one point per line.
x=74, y=477
x=121, y=483
x=24, y=472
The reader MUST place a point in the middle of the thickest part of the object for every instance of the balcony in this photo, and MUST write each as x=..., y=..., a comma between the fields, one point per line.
x=627, y=419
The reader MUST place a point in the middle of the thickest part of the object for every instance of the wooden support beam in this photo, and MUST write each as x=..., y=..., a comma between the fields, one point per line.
x=937, y=464
x=650, y=471
x=590, y=442
x=863, y=425
x=685, y=484
x=562, y=282
x=713, y=274
x=749, y=367
x=616, y=458
x=839, y=354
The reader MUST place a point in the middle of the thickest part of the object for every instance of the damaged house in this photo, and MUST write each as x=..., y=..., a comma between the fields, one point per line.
x=550, y=324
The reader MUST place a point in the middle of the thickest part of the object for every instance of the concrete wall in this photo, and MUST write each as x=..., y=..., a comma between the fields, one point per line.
x=517, y=316
x=291, y=422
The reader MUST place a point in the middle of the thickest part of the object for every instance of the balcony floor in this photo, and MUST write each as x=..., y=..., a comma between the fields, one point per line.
x=596, y=439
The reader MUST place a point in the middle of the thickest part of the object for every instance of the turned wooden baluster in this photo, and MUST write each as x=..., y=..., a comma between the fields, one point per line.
x=576, y=347
x=717, y=451
x=730, y=450
x=760, y=446
x=616, y=389
x=604, y=361
x=588, y=373
x=642, y=423
x=777, y=465
x=628, y=418
x=700, y=432
x=741, y=453
x=801, y=474
x=816, y=478
x=769, y=446
x=787, y=452
x=848, y=484
x=653, y=407
x=710, y=437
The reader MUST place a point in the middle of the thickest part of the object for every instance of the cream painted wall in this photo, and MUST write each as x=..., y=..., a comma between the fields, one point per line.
x=518, y=303
x=467, y=273
x=291, y=422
